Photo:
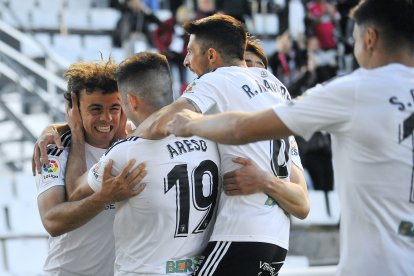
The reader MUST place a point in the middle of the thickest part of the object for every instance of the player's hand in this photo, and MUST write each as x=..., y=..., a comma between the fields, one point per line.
x=123, y=128
x=124, y=185
x=180, y=124
x=249, y=179
x=49, y=135
x=74, y=118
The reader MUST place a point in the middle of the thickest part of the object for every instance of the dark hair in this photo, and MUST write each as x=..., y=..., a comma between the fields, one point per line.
x=90, y=77
x=222, y=32
x=253, y=45
x=147, y=75
x=393, y=18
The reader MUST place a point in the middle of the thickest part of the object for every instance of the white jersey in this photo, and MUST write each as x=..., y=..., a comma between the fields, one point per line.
x=256, y=217
x=369, y=114
x=89, y=249
x=163, y=230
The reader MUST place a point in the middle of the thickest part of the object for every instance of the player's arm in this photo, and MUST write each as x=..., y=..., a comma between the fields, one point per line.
x=234, y=128
x=291, y=195
x=76, y=163
x=59, y=216
x=154, y=127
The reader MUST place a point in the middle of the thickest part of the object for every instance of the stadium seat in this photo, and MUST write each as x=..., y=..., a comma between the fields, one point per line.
x=334, y=206
x=75, y=19
x=104, y=19
x=78, y=4
x=25, y=257
x=49, y=22
x=25, y=219
x=265, y=24
x=318, y=214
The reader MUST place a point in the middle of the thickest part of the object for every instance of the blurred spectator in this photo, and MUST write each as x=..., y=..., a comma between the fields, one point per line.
x=171, y=40
x=284, y=63
x=204, y=8
x=316, y=153
x=239, y=9
x=323, y=18
x=154, y=5
x=134, y=24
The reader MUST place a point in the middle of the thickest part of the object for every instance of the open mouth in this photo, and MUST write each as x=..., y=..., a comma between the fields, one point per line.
x=104, y=129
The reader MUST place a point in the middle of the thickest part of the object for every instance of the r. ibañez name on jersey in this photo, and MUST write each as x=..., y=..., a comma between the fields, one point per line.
x=265, y=87
x=184, y=146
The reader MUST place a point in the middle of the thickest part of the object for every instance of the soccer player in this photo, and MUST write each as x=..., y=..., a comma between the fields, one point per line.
x=369, y=115
x=251, y=234
x=163, y=230
x=81, y=241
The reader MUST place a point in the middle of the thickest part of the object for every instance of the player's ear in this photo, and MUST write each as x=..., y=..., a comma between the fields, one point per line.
x=212, y=55
x=370, y=38
x=133, y=101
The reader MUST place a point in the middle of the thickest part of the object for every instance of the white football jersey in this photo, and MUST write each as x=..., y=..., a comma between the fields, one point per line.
x=163, y=230
x=370, y=115
x=89, y=249
x=256, y=217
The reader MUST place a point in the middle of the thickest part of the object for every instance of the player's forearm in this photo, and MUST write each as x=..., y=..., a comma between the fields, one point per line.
x=69, y=216
x=236, y=128
x=290, y=196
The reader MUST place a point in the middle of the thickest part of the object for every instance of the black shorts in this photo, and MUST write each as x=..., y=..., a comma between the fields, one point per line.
x=224, y=258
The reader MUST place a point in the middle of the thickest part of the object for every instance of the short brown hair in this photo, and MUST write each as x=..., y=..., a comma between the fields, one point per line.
x=222, y=32
x=90, y=77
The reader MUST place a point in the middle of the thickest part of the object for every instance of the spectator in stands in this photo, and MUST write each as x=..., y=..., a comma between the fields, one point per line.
x=204, y=8
x=171, y=40
x=82, y=241
x=323, y=19
x=284, y=62
x=369, y=115
x=238, y=9
x=134, y=25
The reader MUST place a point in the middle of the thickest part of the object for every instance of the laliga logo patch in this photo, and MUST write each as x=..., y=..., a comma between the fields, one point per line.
x=52, y=168
x=51, y=171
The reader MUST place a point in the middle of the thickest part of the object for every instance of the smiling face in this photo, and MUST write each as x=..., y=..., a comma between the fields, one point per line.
x=100, y=116
x=196, y=60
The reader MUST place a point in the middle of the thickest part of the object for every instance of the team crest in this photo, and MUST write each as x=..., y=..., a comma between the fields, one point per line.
x=51, y=170
x=263, y=74
x=190, y=87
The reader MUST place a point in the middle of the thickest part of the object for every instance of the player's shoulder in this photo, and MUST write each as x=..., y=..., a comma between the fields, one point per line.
x=65, y=138
x=123, y=144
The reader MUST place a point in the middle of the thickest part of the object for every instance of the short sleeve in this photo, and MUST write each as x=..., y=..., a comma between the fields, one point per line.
x=53, y=174
x=322, y=108
x=95, y=174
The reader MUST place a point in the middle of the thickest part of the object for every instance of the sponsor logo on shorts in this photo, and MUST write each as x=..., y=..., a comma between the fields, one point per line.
x=266, y=269
x=180, y=266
